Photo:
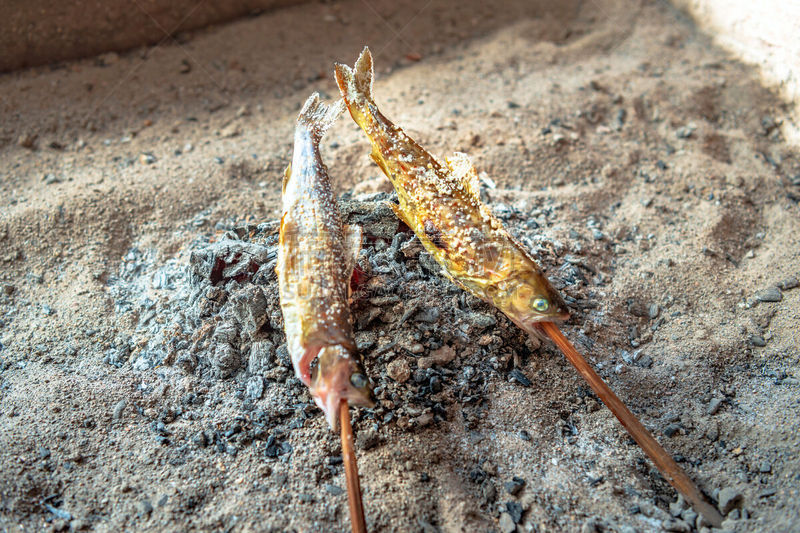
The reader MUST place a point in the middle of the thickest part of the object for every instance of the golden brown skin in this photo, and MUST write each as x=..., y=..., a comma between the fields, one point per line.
x=315, y=262
x=441, y=204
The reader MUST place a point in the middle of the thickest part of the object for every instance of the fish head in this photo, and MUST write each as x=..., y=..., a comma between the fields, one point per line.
x=339, y=376
x=528, y=298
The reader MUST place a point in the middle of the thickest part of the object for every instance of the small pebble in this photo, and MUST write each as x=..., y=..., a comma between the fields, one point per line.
x=520, y=378
x=772, y=294
x=144, y=508
x=729, y=499
x=506, y=523
x=439, y=357
x=757, y=340
x=481, y=320
x=524, y=435
x=765, y=467
x=147, y=158
x=416, y=348
x=514, y=486
x=333, y=489
x=231, y=130
x=713, y=406
x=399, y=370
x=515, y=511
x=671, y=430
x=119, y=408
x=255, y=387
x=685, y=132
x=788, y=284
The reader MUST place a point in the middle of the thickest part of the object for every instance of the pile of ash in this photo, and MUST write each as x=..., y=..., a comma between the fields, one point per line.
x=426, y=343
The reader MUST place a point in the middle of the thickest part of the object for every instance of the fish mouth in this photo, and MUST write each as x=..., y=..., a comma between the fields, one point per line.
x=329, y=401
x=530, y=324
x=329, y=395
x=331, y=409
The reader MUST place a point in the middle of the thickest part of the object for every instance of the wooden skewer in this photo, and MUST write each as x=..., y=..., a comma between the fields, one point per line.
x=664, y=461
x=351, y=471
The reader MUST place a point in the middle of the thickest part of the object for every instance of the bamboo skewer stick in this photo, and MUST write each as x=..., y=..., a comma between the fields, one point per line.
x=351, y=471
x=663, y=461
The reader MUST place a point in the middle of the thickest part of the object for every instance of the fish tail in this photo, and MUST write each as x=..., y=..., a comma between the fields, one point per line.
x=355, y=83
x=317, y=116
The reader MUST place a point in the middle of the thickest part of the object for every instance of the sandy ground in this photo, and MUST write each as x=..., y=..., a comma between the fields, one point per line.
x=641, y=164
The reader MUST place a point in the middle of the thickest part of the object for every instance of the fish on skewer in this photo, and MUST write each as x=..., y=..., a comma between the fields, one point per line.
x=440, y=202
x=316, y=257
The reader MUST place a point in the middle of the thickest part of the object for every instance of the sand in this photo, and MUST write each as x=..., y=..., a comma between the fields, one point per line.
x=644, y=166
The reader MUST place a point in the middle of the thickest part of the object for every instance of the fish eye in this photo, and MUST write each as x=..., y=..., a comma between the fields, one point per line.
x=541, y=305
x=358, y=381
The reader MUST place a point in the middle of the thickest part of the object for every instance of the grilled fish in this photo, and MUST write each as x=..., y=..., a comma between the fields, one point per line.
x=440, y=202
x=316, y=256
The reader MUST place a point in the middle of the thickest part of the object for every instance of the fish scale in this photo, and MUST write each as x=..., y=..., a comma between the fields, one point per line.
x=440, y=202
x=316, y=255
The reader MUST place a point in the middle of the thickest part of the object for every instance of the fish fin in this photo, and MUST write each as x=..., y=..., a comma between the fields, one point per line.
x=317, y=116
x=302, y=363
x=286, y=175
x=352, y=246
x=398, y=211
x=378, y=159
x=287, y=238
x=462, y=171
x=282, y=229
x=356, y=82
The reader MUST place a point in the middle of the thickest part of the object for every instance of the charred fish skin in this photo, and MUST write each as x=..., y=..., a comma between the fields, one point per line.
x=316, y=256
x=440, y=202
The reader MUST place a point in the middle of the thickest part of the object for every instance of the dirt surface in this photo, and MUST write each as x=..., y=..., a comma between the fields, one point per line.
x=144, y=385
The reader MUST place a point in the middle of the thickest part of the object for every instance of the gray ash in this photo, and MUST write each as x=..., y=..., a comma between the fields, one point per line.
x=218, y=318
